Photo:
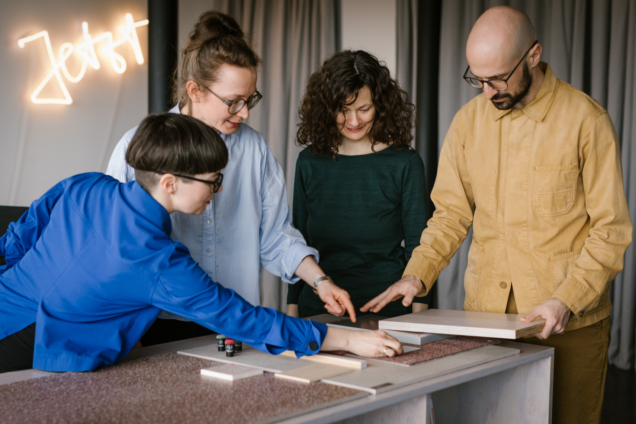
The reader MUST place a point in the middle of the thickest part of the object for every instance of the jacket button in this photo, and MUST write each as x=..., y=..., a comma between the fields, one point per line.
x=503, y=285
x=313, y=346
x=581, y=314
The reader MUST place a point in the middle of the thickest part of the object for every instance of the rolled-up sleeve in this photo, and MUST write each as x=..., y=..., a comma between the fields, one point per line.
x=282, y=246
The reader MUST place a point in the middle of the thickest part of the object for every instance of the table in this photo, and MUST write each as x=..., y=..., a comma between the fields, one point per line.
x=514, y=389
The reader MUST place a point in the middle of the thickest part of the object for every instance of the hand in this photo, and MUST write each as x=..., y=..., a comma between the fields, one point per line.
x=556, y=315
x=336, y=299
x=407, y=288
x=292, y=310
x=370, y=344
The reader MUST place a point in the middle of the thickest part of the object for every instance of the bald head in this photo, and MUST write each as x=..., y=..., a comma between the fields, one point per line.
x=500, y=35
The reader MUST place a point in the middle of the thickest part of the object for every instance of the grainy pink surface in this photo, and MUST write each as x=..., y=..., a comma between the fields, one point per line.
x=165, y=388
x=439, y=349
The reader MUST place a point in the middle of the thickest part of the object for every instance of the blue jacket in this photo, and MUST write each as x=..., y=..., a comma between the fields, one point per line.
x=92, y=264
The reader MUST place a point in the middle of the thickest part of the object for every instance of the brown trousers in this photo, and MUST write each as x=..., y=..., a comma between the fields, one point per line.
x=580, y=366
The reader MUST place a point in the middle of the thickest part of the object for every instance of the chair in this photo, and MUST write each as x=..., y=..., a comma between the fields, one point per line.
x=9, y=214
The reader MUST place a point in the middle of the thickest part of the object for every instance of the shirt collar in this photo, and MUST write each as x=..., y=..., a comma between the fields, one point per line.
x=225, y=137
x=146, y=206
x=538, y=108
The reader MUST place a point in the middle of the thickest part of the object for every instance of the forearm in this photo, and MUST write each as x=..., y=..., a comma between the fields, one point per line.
x=336, y=339
x=309, y=271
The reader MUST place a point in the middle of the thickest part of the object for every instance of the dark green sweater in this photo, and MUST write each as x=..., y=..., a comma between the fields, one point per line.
x=356, y=212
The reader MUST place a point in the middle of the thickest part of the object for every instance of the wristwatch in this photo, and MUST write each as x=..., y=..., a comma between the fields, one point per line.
x=319, y=280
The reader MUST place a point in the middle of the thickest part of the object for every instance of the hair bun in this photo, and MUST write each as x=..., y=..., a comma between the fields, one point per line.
x=213, y=25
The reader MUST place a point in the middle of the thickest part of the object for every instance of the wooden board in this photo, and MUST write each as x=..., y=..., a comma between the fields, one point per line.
x=370, y=322
x=326, y=358
x=231, y=372
x=462, y=323
x=314, y=372
x=382, y=376
x=249, y=357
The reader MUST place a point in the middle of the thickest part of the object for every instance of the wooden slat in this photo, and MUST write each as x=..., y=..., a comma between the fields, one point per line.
x=326, y=358
x=462, y=323
x=231, y=372
x=314, y=372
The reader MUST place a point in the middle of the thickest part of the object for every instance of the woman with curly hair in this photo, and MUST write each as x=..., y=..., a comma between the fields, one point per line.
x=359, y=193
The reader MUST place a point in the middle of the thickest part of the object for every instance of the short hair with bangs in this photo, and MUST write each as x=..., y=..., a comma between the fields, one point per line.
x=176, y=144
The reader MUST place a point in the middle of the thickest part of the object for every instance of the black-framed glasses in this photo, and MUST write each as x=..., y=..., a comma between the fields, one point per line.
x=497, y=83
x=216, y=184
x=235, y=106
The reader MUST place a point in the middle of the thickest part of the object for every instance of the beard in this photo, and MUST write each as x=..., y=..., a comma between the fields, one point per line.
x=512, y=99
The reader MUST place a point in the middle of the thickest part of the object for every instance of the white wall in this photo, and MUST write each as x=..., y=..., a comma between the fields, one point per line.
x=370, y=25
x=42, y=144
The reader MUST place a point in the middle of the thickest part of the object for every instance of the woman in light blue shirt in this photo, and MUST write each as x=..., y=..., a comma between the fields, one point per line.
x=249, y=224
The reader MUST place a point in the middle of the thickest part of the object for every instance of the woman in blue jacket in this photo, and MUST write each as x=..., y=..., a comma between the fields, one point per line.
x=91, y=264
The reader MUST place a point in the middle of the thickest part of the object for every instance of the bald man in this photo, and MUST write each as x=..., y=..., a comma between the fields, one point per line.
x=533, y=164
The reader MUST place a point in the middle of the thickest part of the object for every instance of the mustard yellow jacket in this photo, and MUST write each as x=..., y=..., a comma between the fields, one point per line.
x=543, y=189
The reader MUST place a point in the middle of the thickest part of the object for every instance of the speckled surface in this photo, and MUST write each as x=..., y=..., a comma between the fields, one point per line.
x=164, y=388
x=439, y=349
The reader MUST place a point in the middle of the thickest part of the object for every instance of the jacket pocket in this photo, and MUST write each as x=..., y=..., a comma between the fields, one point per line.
x=554, y=189
x=560, y=265
x=473, y=270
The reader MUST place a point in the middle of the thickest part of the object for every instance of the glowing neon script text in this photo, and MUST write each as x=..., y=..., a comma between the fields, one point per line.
x=86, y=51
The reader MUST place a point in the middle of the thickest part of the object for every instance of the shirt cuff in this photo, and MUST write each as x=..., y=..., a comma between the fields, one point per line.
x=425, y=271
x=292, y=259
x=576, y=296
x=312, y=344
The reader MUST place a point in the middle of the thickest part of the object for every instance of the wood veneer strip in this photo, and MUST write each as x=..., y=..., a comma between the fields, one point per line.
x=326, y=358
x=314, y=372
x=231, y=372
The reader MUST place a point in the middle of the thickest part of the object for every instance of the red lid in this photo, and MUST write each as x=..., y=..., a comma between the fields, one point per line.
x=229, y=341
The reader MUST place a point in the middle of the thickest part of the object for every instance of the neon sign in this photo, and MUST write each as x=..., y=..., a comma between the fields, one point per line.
x=86, y=51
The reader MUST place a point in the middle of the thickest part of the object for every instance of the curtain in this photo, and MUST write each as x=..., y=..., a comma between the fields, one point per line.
x=292, y=39
x=590, y=44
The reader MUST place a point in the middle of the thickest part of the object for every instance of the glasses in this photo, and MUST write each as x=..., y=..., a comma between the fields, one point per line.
x=497, y=83
x=216, y=184
x=235, y=106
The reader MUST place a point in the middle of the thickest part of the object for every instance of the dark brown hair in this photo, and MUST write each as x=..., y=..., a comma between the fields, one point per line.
x=174, y=143
x=215, y=40
x=340, y=77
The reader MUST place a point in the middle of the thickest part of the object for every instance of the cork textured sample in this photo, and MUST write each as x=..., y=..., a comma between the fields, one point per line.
x=462, y=323
x=159, y=389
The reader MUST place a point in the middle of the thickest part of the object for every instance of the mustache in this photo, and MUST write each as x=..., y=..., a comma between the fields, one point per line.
x=501, y=96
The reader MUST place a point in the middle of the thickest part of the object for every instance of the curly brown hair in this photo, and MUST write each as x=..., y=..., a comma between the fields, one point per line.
x=340, y=77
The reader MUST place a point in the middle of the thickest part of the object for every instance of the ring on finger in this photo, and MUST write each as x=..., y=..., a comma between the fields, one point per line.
x=386, y=350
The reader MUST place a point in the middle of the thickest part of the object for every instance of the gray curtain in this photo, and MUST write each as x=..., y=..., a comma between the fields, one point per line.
x=292, y=39
x=590, y=44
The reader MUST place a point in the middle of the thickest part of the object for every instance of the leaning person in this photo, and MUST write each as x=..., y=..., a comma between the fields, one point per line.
x=360, y=192
x=534, y=164
x=90, y=265
x=249, y=225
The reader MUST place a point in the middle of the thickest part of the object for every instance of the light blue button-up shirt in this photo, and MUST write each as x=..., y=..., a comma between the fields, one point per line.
x=246, y=225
